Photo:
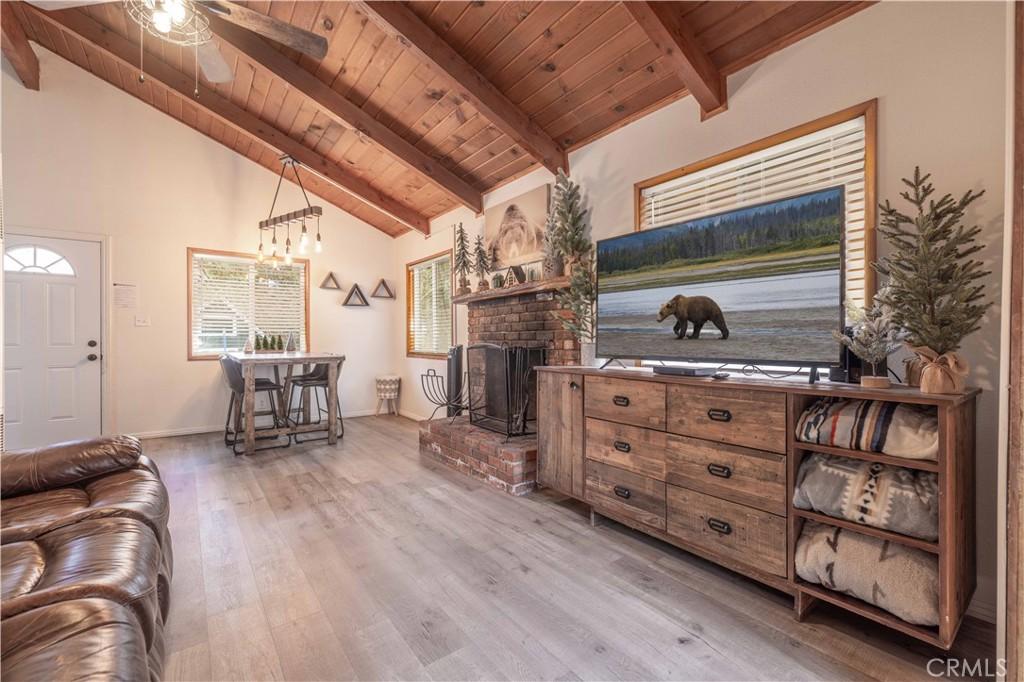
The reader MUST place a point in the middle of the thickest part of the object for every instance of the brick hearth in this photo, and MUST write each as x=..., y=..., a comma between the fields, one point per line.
x=509, y=466
x=524, y=315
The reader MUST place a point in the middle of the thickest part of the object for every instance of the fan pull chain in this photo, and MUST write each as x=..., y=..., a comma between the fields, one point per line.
x=142, y=36
x=196, y=41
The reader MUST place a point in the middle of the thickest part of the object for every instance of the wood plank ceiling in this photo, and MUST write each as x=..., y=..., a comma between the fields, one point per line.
x=577, y=70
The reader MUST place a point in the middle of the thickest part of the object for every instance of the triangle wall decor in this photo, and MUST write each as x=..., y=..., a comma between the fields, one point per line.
x=356, y=293
x=330, y=282
x=383, y=290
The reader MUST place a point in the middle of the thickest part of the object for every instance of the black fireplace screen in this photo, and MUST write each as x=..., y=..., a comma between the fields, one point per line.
x=503, y=387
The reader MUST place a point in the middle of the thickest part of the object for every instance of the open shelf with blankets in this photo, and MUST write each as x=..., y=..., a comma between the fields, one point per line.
x=882, y=509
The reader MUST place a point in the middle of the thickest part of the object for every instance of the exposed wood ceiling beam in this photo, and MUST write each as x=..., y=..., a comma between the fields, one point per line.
x=664, y=25
x=127, y=52
x=345, y=112
x=16, y=48
x=402, y=23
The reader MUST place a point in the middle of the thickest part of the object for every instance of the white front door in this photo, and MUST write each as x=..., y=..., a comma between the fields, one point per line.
x=52, y=336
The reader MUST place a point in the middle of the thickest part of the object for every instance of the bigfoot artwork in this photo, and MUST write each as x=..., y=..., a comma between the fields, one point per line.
x=695, y=309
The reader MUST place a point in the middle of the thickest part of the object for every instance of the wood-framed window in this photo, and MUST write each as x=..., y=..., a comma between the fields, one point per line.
x=232, y=297
x=838, y=149
x=428, y=305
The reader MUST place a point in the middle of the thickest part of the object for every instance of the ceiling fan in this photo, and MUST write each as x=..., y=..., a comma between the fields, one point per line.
x=187, y=23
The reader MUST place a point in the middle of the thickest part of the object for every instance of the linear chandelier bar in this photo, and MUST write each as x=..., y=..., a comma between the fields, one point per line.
x=292, y=217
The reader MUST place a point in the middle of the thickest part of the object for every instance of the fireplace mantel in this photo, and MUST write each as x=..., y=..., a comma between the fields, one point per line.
x=516, y=290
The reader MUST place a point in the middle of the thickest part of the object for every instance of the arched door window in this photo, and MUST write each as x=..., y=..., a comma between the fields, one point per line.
x=36, y=259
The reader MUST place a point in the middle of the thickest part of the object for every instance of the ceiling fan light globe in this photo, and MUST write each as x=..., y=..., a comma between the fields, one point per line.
x=176, y=9
x=162, y=21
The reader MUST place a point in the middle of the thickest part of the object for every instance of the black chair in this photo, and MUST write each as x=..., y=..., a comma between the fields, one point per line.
x=233, y=424
x=309, y=385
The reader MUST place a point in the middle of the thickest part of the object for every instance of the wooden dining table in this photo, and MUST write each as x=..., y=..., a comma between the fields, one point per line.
x=249, y=363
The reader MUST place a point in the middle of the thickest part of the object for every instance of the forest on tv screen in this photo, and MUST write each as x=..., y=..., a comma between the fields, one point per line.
x=804, y=224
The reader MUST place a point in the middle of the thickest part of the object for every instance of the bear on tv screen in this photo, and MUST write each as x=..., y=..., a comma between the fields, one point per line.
x=756, y=284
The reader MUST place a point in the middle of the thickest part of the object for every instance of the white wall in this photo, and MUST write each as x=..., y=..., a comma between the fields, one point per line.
x=938, y=71
x=81, y=155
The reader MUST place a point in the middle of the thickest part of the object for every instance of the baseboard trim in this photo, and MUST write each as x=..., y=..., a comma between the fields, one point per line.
x=195, y=430
x=982, y=610
x=169, y=433
x=410, y=415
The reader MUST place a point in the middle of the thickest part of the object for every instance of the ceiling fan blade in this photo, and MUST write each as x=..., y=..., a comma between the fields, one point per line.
x=213, y=65
x=52, y=5
x=279, y=31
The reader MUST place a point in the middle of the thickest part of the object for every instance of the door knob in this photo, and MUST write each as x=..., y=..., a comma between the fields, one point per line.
x=92, y=343
x=92, y=357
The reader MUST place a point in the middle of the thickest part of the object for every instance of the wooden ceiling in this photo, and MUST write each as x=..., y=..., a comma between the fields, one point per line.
x=419, y=107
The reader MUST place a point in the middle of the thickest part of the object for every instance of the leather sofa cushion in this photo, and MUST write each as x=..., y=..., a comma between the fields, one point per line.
x=113, y=558
x=84, y=639
x=64, y=464
x=134, y=493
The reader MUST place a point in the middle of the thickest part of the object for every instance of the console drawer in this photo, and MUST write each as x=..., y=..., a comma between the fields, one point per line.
x=635, y=449
x=751, y=536
x=751, y=477
x=627, y=494
x=640, y=403
x=756, y=419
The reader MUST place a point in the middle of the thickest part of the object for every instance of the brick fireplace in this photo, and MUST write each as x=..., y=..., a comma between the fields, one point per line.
x=523, y=315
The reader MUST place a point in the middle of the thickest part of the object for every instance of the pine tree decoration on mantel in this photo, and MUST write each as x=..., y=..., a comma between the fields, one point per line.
x=481, y=263
x=461, y=261
x=933, y=286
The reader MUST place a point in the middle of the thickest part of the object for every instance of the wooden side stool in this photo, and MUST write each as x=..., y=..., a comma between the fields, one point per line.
x=388, y=387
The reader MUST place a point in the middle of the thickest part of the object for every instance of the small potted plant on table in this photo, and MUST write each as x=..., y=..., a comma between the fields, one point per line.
x=875, y=337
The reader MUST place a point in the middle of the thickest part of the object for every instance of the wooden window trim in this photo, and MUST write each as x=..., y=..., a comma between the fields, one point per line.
x=1014, y=631
x=869, y=110
x=189, y=252
x=409, y=352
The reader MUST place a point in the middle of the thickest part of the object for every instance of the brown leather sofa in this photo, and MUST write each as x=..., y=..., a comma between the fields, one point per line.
x=85, y=562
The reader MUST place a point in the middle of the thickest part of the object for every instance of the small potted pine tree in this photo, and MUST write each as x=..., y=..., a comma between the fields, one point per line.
x=462, y=263
x=481, y=264
x=875, y=337
x=934, y=286
x=568, y=224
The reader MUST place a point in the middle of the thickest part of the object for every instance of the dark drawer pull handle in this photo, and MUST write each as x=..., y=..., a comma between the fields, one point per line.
x=622, y=446
x=574, y=386
x=624, y=493
x=719, y=415
x=719, y=526
x=621, y=401
x=719, y=470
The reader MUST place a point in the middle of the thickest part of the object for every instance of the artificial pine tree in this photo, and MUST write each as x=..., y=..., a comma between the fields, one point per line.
x=481, y=264
x=462, y=262
x=578, y=300
x=570, y=221
x=875, y=337
x=554, y=265
x=259, y=342
x=933, y=287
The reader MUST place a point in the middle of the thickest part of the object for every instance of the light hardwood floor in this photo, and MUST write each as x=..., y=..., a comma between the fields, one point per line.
x=362, y=562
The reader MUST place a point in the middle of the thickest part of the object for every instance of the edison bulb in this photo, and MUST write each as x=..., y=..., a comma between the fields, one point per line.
x=287, y=258
x=162, y=21
x=259, y=253
x=319, y=244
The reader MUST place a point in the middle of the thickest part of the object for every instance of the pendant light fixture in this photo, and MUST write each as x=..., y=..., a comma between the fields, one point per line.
x=286, y=219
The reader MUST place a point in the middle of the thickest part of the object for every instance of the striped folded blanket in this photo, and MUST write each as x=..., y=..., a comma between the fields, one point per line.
x=897, y=429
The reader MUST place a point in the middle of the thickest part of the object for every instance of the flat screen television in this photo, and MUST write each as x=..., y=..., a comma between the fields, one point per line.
x=758, y=285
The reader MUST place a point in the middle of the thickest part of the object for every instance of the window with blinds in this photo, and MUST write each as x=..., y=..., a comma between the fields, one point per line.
x=833, y=155
x=232, y=298
x=429, y=305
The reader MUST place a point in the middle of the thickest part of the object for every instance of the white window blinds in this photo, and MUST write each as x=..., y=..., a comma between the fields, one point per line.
x=234, y=298
x=429, y=291
x=825, y=158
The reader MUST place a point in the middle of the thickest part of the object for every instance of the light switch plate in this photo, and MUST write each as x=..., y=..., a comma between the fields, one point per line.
x=142, y=320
